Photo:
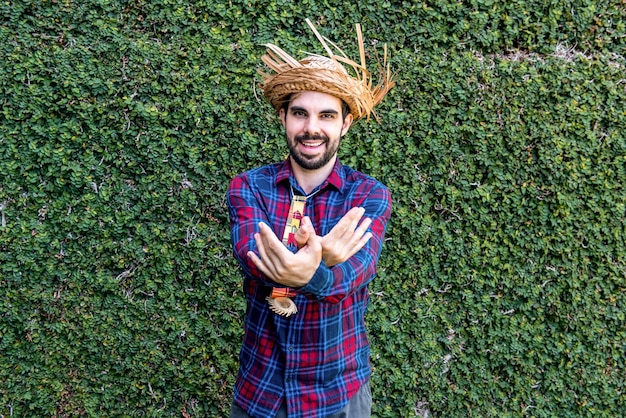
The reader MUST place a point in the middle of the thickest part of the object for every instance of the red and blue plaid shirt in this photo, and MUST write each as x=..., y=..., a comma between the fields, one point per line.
x=318, y=358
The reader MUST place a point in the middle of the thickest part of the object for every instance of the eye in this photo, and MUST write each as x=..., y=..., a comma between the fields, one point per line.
x=328, y=116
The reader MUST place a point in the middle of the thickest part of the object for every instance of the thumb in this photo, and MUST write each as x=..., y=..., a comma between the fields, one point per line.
x=305, y=231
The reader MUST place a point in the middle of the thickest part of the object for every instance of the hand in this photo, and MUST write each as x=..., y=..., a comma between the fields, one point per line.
x=281, y=265
x=346, y=239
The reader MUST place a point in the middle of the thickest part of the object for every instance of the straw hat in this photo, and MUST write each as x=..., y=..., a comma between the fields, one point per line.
x=326, y=75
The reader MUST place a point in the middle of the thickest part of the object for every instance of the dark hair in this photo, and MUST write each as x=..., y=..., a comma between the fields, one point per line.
x=345, y=109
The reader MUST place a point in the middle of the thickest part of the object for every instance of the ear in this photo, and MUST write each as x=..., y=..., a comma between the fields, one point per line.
x=347, y=122
x=282, y=115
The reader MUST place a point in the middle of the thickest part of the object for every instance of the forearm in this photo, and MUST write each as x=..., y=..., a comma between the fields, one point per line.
x=245, y=214
x=333, y=283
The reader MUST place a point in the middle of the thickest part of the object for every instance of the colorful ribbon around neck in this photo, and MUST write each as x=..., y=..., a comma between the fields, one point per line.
x=280, y=300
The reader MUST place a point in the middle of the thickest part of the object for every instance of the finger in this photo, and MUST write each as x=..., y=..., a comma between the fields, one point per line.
x=361, y=243
x=313, y=247
x=260, y=261
x=301, y=237
x=362, y=229
x=260, y=264
x=260, y=244
x=308, y=225
x=271, y=249
x=305, y=230
x=270, y=241
x=347, y=223
x=352, y=218
x=350, y=251
x=263, y=261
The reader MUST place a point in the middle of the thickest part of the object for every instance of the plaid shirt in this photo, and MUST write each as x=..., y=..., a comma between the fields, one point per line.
x=317, y=359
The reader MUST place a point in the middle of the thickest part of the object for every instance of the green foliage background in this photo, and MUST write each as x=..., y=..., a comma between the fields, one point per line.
x=502, y=284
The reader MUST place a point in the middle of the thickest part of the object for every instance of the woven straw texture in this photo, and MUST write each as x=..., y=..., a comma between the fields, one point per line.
x=326, y=75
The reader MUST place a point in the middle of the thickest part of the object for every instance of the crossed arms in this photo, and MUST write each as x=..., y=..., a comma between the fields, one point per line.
x=296, y=270
x=327, y=267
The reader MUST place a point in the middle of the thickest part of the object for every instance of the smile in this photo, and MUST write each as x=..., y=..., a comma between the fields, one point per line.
x=312, y=144
x=311, y=141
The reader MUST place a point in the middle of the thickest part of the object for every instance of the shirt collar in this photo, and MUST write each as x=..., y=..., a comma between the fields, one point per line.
x=335, y=179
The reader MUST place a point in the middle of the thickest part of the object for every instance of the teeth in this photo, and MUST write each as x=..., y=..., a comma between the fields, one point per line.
x=312, y=145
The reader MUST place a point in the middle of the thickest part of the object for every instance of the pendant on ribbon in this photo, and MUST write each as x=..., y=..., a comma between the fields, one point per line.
x=281, y=303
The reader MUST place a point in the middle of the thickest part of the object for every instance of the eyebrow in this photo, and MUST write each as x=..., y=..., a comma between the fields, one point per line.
x=301, y=109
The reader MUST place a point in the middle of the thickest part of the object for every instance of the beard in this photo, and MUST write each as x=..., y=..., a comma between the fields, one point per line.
x=309, y=162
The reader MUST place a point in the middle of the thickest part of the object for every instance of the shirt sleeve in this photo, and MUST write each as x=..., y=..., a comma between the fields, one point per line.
x=333, y=284
x=245, y=213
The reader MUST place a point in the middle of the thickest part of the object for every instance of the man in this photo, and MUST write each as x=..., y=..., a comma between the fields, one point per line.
x=307, y=233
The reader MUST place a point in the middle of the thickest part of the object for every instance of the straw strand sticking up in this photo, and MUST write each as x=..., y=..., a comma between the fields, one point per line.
x=326, y=75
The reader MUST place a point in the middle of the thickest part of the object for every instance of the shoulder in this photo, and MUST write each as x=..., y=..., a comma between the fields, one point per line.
x=261, y=176
x=356, y=180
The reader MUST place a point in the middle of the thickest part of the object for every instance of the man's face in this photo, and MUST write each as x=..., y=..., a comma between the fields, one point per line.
x=314, y=126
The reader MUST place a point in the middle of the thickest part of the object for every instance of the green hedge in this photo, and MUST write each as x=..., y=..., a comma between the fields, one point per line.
x=502, y=284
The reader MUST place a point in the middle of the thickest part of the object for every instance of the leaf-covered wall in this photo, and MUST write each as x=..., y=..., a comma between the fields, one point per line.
x=501, y=288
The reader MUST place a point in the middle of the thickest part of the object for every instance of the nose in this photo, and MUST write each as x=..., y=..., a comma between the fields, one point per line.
x=312, y=126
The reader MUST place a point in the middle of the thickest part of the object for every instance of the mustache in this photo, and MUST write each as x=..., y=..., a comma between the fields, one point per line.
x=307, y=137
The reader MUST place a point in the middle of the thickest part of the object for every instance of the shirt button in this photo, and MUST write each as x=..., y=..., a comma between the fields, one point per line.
x=290, y=348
